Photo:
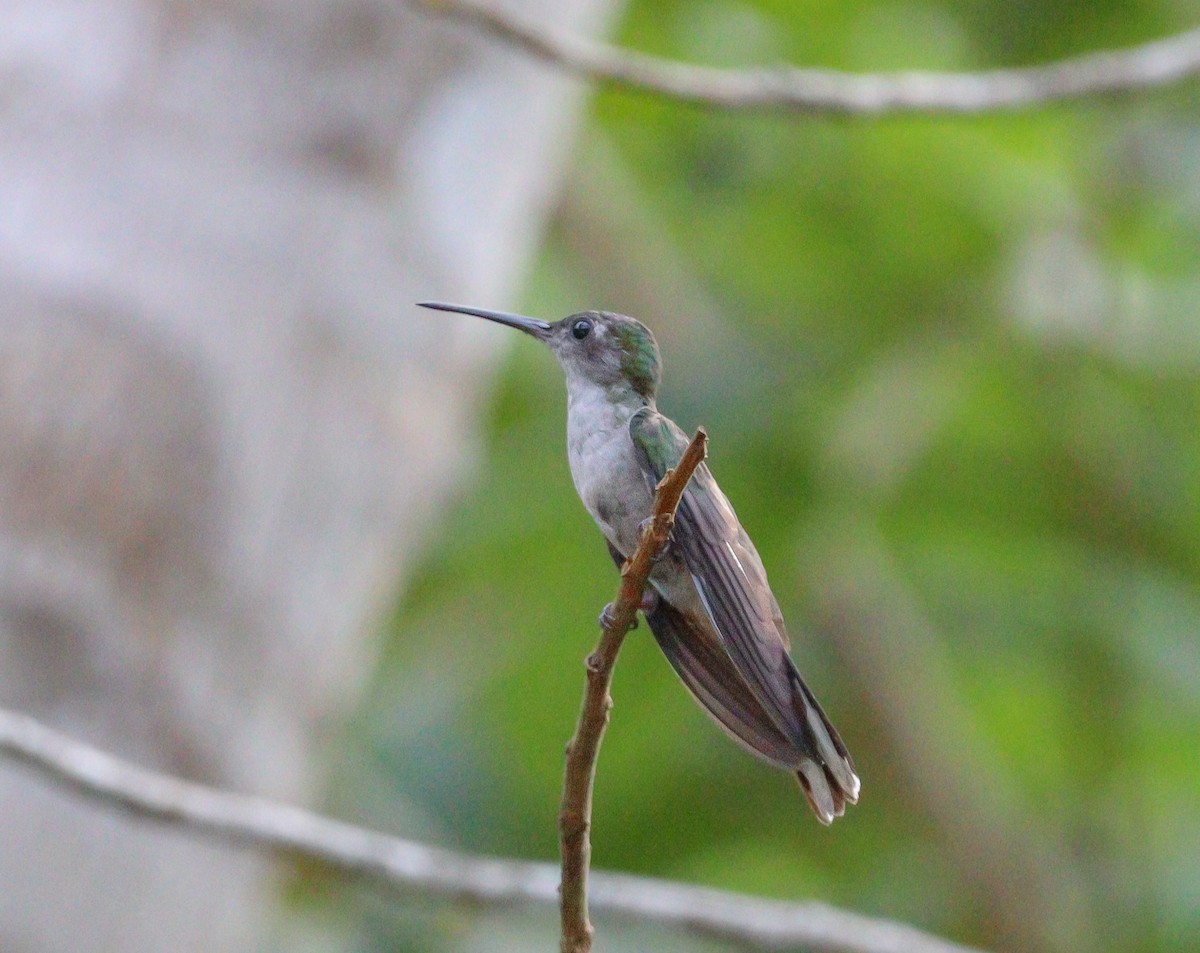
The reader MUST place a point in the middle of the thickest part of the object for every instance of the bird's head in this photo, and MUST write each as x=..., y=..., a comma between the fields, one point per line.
x=600, y=348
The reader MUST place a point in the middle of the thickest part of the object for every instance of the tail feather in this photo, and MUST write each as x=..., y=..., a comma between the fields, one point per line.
x=819, y=792
x=829, y=780
x=826, y=798
x=834, y=758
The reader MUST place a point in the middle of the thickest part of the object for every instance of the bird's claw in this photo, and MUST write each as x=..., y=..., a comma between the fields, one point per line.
x=647, y=604
x=607, y=618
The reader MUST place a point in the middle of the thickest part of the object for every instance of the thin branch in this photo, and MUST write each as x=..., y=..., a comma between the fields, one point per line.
x=293, y=832
x=575, y=816
x=834, y=92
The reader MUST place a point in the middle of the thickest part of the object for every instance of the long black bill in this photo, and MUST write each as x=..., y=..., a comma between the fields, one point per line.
x=529, y=325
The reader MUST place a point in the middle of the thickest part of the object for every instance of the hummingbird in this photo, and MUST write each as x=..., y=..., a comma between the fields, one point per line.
x=708, y=602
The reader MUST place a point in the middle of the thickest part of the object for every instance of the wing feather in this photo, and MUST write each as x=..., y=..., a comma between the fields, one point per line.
x=729, y=575
x=705, y=669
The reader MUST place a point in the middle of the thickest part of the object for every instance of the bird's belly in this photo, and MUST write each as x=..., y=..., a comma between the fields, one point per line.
x=619, y=514
x=611, y=485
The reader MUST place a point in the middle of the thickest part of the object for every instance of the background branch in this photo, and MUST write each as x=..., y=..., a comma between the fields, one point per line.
x=806, y=90
x=292, y=831
x=575, y=816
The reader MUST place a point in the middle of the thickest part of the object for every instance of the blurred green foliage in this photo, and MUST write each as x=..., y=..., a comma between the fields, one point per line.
x=951, y=373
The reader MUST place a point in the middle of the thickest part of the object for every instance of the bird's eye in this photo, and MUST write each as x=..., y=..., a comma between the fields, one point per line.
x=581, y=329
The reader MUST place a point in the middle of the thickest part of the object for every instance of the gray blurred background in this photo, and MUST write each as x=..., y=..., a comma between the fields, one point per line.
x=222, y=432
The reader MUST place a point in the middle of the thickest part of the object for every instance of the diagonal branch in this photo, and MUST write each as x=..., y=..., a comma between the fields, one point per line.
x=294, y=832
x=834, y=92
x=575, y=816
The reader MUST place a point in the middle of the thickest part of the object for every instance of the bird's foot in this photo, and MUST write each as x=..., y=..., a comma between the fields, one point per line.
x=644, y=527
x=607, y=618
x=647, y=604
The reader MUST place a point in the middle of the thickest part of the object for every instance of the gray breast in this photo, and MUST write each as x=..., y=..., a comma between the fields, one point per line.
x=611, y=484
x=607, y=473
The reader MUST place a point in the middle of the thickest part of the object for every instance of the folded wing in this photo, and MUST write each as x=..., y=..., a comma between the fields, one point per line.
x=732, y=583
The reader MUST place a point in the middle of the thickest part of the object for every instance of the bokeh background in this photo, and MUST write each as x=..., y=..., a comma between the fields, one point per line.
x=951, y=373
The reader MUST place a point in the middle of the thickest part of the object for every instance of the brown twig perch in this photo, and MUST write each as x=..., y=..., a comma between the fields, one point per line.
x=575, y=816
x=834, y=92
